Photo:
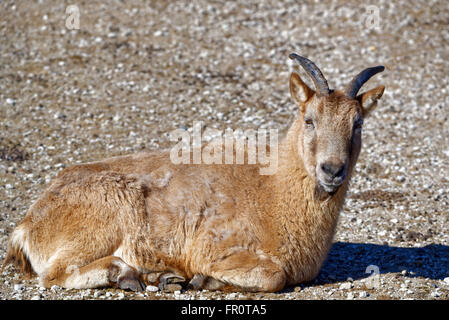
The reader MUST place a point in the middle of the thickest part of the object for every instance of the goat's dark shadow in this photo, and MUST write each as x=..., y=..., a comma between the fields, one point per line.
x=351, y=260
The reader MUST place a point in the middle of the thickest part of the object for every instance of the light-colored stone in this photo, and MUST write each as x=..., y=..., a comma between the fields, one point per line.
x=152, y=288
x=19, y=287
x=346, y=286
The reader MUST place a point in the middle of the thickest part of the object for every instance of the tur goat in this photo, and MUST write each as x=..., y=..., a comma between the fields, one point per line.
x=132, y=220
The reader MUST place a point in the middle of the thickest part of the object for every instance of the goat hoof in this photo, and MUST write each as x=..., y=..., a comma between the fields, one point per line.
x=170, y=282
x=171, y=278
x=130, y=284
x=196, y=283
x=130, y=281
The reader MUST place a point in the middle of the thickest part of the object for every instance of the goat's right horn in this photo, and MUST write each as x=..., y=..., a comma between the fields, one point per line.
x=315, y=74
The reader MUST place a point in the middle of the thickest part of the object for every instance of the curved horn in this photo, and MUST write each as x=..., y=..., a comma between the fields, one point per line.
x=315, y=74
x=358, y=81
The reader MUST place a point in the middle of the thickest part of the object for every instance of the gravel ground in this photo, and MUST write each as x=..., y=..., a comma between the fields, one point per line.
x=136, y=70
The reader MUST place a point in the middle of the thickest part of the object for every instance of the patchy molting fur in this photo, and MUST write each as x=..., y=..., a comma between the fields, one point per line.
x=106, y=223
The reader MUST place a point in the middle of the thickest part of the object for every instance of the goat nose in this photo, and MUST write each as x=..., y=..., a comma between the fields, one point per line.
x=333, y=170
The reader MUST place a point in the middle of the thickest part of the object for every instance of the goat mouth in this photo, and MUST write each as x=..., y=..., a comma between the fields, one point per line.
x=330, y=188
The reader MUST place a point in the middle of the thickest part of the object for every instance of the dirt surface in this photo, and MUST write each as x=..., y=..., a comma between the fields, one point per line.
x=136, y=70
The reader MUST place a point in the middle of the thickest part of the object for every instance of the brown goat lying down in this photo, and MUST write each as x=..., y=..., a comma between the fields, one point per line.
x=138, y=219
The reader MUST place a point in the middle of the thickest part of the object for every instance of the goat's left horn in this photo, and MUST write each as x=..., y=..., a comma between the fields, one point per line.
x=315, y=74
x=358, y=81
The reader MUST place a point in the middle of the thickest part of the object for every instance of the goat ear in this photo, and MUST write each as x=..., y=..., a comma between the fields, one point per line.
x=368, y=99
x=299, y=91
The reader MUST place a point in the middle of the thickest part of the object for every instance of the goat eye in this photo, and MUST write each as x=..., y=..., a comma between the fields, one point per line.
x=309, y=123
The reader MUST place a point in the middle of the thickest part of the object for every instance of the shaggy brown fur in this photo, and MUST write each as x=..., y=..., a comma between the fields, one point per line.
x=16, y=257
x=117, y=221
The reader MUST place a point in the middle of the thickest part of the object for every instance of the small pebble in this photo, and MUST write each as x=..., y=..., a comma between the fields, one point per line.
x=346, y=286
x=152, y=288
x=19, y=287
x=11, y=101
x=435, y=294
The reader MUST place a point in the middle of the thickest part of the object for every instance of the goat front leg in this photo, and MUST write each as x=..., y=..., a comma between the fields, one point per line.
x=105, y=272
